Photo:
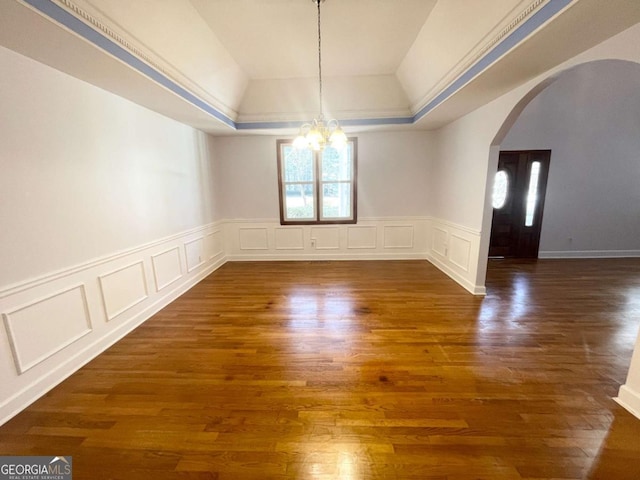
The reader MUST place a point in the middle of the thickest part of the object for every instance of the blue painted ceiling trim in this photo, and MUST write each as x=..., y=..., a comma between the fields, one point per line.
x=510, y=42
x=60, y=15
x=345, y=123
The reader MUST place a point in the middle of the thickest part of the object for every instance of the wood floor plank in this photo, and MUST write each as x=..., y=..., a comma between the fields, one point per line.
x=360, y=370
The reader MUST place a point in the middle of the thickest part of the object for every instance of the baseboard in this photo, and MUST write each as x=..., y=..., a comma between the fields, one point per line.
x=459, y=279
x=629, y=399
x=306, y=257
x=590, y=254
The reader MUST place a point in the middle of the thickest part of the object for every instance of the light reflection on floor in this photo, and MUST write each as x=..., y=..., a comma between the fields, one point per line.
x=310, y=309
x=493, y=317
x=510, y=313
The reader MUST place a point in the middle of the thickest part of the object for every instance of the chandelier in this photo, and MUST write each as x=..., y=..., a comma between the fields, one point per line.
x=318, y=133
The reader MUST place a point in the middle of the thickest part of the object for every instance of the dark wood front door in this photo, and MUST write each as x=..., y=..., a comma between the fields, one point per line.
x=518, y=201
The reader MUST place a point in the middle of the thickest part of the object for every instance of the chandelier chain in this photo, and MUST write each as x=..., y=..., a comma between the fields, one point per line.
x=317, y=134
x=320, y=57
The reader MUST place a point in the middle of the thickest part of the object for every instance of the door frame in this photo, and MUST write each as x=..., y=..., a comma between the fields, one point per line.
x=525, y=241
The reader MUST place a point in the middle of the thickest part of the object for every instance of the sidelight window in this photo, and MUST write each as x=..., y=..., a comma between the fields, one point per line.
x=532, y=195
x=500, y=189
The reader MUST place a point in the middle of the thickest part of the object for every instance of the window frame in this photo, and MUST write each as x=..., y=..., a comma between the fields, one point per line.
x=318, y=184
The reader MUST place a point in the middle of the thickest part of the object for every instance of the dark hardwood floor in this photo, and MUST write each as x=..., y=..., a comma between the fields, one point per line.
x=360, y=370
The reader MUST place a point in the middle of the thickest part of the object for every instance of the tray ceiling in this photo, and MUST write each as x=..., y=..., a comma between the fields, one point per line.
x=251, y=65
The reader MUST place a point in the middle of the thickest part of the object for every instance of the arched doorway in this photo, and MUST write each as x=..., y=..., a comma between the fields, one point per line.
x=589, y=116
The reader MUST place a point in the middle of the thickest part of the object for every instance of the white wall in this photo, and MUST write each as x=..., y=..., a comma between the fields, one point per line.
x=248, y=166
x=393, y=175
x=86, y=173
x=393, y=188
x=107, y=214
x=589, y=118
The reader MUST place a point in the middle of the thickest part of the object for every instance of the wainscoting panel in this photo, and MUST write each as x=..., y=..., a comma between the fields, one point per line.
x=361, y=237
x=455, y=250
x=44, y=327
x=54, y=324
x=123, y=289
x=460, y=251
x=167, y=268
x=291, y=238
x=194, y=252
x=398, y=236
x=440, y=240
x=371, y=239
x=214, y=245
x=326, y=238
x=254, y=239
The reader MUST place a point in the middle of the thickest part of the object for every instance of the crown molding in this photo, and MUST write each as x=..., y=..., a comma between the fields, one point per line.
x=490, y=49
x=86, y=26
x=78, y=21
x=120, y=35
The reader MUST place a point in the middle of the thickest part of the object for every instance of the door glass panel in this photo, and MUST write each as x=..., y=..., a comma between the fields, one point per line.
x=532, y=196
x=500, y=189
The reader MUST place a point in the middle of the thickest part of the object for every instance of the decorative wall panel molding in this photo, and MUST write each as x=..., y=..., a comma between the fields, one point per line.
x=326, y=238
x=361, y=237
x=289, y=238
x=167, y=267
x=46, y=326
x=455, y=250
x=440, y=240
x=371, y=239
x=194, y=252
x=460, y=250
x=214, y=245
x=398, y=236
x=253, y=238
x=48, y=278
x=54, y=324
x=123, y=289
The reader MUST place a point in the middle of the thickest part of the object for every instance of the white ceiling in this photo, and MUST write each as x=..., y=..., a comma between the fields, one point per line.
x=256, y=60
x=277, y=39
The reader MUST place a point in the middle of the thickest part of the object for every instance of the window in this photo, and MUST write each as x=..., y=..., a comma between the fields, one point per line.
x=500, y=190
x=317, y=187
x=532, y=195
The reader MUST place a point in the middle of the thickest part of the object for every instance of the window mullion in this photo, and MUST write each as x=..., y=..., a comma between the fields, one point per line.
x=318, y=184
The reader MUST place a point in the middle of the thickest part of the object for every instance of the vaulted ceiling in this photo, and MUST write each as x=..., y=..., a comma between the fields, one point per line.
x=251, y=66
